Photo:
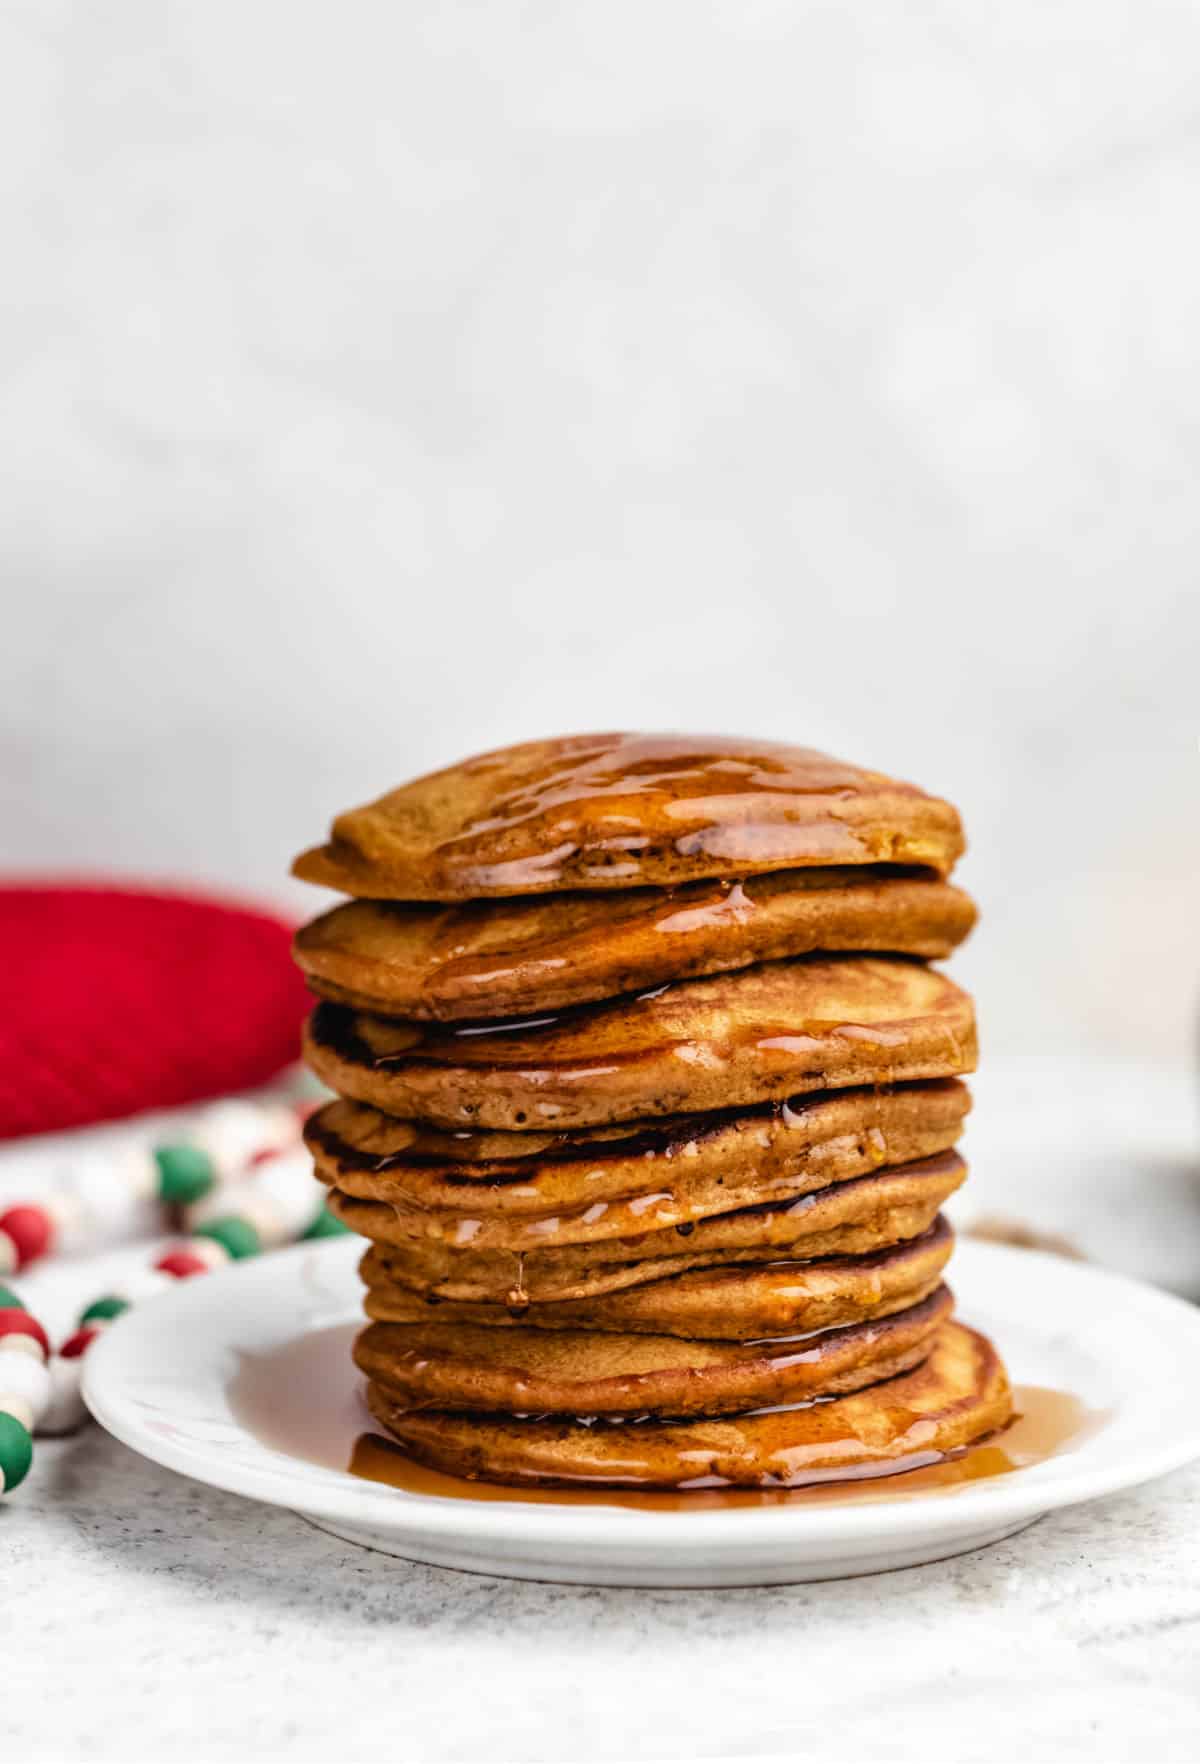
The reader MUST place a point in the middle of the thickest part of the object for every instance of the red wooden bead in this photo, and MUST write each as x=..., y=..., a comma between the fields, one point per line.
x=31, y=1230
x=181, y=1263
x=75, y=1344
x=17, y=1322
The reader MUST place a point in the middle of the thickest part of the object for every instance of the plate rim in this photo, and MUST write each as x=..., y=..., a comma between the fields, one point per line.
x=515, y=1526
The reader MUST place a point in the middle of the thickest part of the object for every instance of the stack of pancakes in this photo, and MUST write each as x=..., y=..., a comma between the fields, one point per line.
x=648, y=1105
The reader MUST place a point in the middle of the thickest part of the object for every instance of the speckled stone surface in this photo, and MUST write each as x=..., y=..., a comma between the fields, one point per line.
x=158, y=1619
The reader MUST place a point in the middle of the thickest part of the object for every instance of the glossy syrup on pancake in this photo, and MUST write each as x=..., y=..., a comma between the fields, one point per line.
x=585, y=1187
x=302, y=1398
x=728, y=1040
x=337, y=1130
x=618, y=810
x=619, y=1020
x=854, y=1217
x=475, y=1368
x=737, y=1302
x=500, y=958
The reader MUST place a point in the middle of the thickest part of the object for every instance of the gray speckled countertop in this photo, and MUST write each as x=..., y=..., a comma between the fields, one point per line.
x=153, y=1618
x=148, y=1617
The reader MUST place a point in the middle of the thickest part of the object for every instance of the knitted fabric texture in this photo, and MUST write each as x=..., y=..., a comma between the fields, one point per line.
x=120, y=999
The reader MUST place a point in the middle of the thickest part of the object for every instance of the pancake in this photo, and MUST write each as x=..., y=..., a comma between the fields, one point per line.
x=851, y=1218
x=731, y=1040
x=502, y=958
x=618, y=1181
x=573, y=1372
x=958, y=1394
x=731, y=1303
x=618, y=811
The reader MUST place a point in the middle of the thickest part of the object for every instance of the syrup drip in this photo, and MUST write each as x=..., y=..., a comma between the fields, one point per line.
x=302, y=1399
x=731, y=906
x=600, y=803
x=680, y=768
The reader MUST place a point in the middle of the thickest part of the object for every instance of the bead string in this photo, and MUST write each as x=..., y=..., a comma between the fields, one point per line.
x=273, y=1203
x=104, y=1190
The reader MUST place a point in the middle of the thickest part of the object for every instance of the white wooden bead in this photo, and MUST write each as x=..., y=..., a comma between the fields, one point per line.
x=95, y=1187
x=282, y=1126
x=143, y=1283
x=20, y=1411
x=137, y=1168
x=8, y=1254
x=213, y=1205
x=108, y=1191
x=68, y=1217
x=66, y=1409
x=27, y=1381
x=260, y=1211
x=231, y=1133
x=210, y=1251
x=288, y=1184
x=17, y=1342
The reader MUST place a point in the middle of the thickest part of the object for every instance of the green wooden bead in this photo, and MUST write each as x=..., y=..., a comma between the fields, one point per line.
x=238, y=1235
x=103, y=1310
x=9, y=1300
x=185, y=1174
x=326, y=1224
x=16, y=1452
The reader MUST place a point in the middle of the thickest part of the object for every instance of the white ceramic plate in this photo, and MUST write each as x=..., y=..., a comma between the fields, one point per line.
x=158, y=1380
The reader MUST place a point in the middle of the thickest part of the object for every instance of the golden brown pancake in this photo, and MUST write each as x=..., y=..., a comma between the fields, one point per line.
x=491, y=1191
x=502, y=958
x=618, y=811
x=573, y=1372
x=731, y=1040
x=851, y=1219
x=731, y=1304
x=955, y=1396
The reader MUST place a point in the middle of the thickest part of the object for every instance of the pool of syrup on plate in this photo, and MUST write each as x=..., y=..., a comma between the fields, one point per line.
x=303, y=1398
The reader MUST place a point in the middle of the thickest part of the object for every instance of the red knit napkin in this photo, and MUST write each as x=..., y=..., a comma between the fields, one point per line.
x=123, y=999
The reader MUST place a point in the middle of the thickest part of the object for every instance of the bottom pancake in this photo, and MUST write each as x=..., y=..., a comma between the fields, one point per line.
x=959, y=1393
x=576, y=1372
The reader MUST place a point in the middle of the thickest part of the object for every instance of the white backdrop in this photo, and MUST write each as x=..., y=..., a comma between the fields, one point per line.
x=383, y=382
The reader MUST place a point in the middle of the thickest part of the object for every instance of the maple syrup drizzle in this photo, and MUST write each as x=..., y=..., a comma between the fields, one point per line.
x=600, y=803
x=302, y=1398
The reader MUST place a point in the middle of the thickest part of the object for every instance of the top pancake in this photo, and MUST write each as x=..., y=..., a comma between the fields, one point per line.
x=619, y=811
x=501, y=958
